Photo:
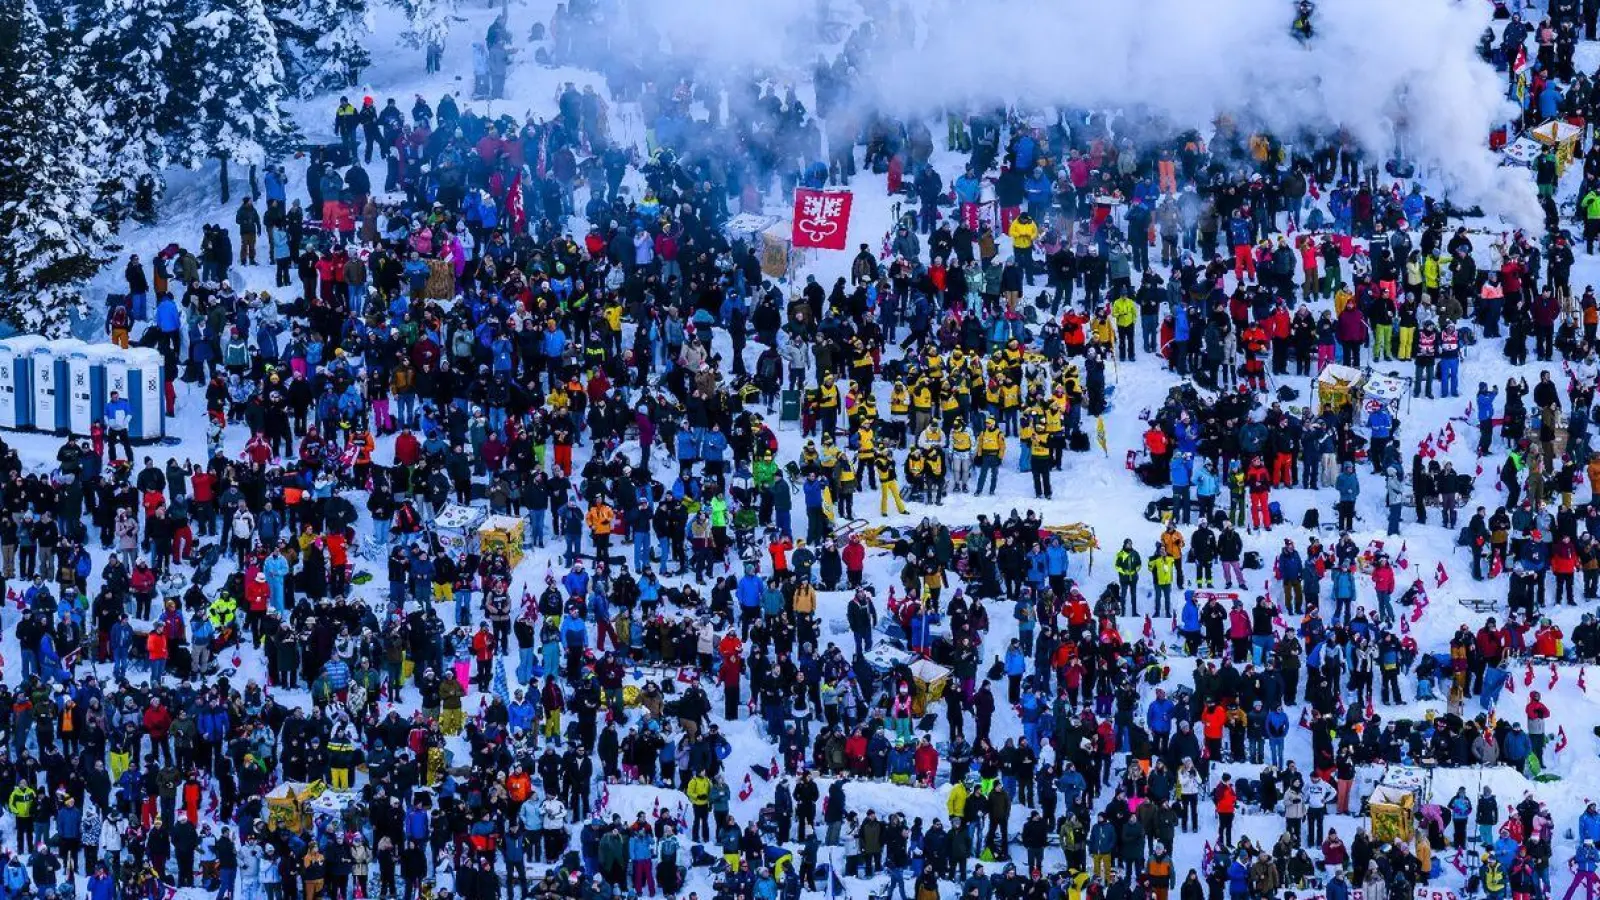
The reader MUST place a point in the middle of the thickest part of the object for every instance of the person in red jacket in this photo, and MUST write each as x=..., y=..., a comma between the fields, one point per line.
x=203, y=499
x=157, y=718
x=1547, y=640
x=926, y=762
x=855, y=752
x=855, y=560
x=1227, y=800
x=1537, y=713
x=1259, y=483
x=1564, y=563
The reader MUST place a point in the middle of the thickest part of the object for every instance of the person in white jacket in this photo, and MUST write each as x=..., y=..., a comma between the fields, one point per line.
x=555, y=832
x=111, y=841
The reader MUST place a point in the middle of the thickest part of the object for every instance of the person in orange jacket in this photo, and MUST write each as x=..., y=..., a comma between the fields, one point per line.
x=601, y=520
x=1214, y=720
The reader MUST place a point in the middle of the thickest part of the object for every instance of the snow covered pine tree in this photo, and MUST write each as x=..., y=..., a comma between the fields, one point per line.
x=54, y=238
x=323, y=43
x=127, y=44
x=228, y=63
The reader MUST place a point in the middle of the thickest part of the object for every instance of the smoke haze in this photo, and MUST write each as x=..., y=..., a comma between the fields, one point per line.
x=1372, y=64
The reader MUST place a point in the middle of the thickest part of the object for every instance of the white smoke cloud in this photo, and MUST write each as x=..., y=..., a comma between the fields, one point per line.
x=1372, y=63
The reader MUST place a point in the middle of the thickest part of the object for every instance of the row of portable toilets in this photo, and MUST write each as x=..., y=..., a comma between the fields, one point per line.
x=62, y=386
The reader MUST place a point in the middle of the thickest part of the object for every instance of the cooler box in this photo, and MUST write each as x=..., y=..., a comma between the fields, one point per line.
x=16, y=380
x=502, y=534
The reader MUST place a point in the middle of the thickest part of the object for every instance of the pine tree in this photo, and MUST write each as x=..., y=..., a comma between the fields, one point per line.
x=127, y=44
x=228, y=67
x=427, y=21
x=54, y=238
x=323, y=43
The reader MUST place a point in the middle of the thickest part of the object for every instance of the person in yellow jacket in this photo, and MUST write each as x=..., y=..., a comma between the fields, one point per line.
x=921, y=406
x=699, y=791
x=962, y=444
x=952, y=401
x=1055, y=428
x=21, y=803
x=899, y=401
x=1125, y=313
x=1023, y=232
x=991, y=450
x=934, y=473
x=866, y=449
x=917, y=474
x=1040, y=464
x=1010, y=404
x=1161, y=567
x=1101, y=331
x=844, y=488
x=956, y=803
x=888, y=485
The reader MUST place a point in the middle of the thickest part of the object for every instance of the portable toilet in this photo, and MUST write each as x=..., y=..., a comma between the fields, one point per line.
x=140, y=370
x=49, y=373
x=16, y=380
x=85, y=387
x=113, y=363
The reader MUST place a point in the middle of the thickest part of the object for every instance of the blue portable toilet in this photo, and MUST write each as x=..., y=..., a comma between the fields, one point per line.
x=16, y=380
x=49, y=373
x=85, y=386
x=136, y=375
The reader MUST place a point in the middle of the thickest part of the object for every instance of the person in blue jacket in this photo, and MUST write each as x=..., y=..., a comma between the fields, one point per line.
x=1516, y=748
x=1349, y=488
x=1344, y=592
x=1381, y=426
x=1485, y=408
x=1189, y=623
x=1158, y=720
x=1589, y=823
x=1016, y=665
x=713, y=450
x=1179, y=473
x=749, y=592
x=1238, y=878
x=1056, y=559
x=522, y=713
x=1277, y=728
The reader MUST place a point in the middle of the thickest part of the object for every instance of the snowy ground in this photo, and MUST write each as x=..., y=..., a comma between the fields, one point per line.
x=1098, y=490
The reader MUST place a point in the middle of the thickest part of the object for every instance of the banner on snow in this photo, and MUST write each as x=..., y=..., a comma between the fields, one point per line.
x=821, y=218
x=1313, y=894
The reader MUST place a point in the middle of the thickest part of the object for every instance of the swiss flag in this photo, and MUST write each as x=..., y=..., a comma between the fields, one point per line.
x=748, y=788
